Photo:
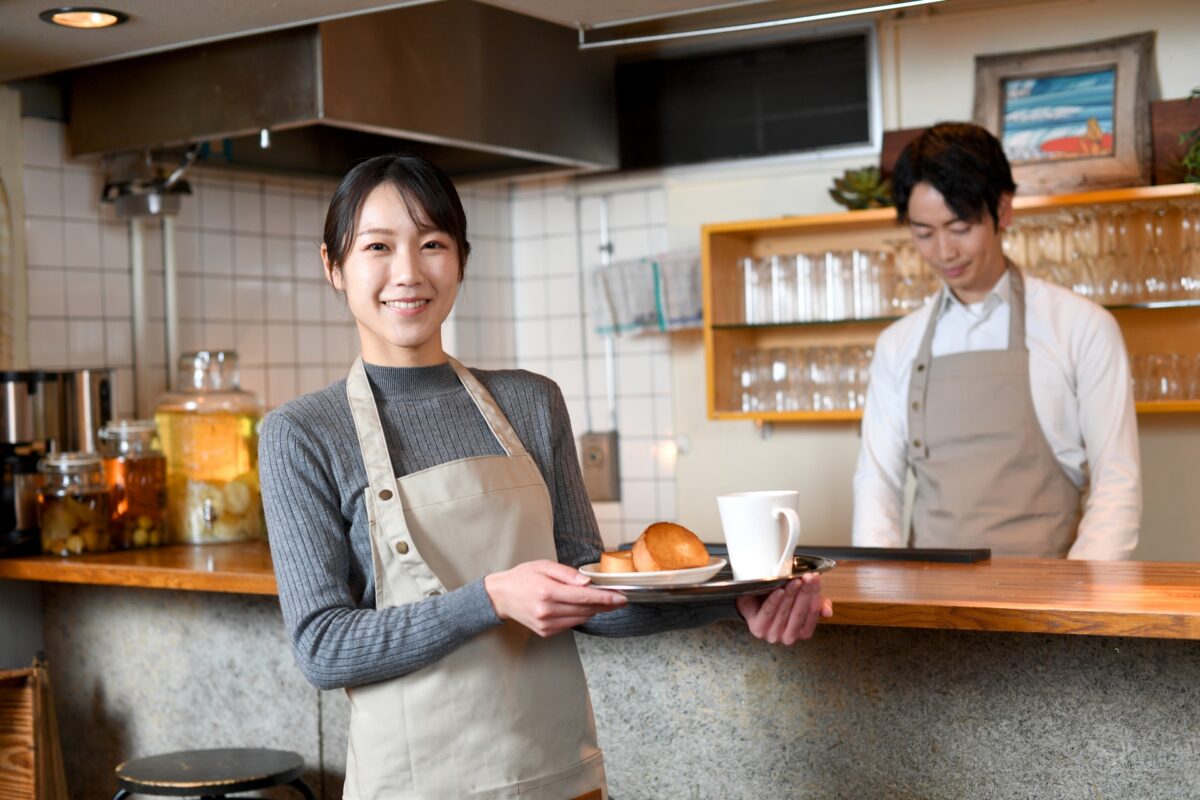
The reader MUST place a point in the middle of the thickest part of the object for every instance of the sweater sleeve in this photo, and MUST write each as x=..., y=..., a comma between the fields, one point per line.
x=577, y=542
x=337, y=643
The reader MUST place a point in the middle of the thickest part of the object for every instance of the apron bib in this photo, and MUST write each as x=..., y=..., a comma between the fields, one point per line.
x=507, y=714
x=986, y=476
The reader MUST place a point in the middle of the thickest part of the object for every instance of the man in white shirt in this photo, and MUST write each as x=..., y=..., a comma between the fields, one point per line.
x=1008, y=397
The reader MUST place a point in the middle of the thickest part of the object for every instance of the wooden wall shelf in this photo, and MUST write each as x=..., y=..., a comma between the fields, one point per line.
x=1158, y=327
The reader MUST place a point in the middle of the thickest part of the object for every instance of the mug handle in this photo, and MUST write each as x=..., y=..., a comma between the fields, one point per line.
x=793, y=520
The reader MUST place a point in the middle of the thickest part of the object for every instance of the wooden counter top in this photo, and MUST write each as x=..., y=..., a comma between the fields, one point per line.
x=1128, y=598
x=238, y=567
x=1108, y=598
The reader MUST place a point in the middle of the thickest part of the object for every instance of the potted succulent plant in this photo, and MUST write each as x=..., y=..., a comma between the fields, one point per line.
x=862, y=188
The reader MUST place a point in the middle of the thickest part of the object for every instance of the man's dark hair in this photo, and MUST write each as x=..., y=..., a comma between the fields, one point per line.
x=964, y=162
x=428, y=193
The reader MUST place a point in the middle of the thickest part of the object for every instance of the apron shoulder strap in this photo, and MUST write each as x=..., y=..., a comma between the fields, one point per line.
x=367, y=425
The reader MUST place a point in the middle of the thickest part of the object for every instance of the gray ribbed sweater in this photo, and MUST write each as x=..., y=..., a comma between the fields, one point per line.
x=313, y=479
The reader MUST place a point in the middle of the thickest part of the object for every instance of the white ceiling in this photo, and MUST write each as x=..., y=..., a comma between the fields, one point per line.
x=30, y=47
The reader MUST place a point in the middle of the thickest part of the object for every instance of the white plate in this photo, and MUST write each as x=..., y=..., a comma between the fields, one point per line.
x=666, y=577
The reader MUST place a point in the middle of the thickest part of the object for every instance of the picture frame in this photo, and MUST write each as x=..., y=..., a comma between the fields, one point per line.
x=1071, y=118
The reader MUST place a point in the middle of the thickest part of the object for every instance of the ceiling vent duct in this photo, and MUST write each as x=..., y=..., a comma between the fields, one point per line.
x=480, y=90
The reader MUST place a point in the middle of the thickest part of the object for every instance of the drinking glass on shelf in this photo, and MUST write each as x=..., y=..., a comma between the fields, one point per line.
x=1012, y=242
x=810, y=287
x=1189, y=254
x=823, y=374
x=1116, y=259
x=1193, y=379
x=801, y=383
x=783, y=289
x=1083, y=250
x=748, y=268
x=838, y=285
x=1165, y=371
x=750, y=372
x=781, y=363
x=1154, y=264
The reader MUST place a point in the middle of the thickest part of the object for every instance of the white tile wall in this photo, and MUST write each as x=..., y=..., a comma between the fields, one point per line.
x=247, y=253
x=547, y=246
x=249, y=275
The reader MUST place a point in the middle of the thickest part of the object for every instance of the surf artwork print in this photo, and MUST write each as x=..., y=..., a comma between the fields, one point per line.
x=1059, y=117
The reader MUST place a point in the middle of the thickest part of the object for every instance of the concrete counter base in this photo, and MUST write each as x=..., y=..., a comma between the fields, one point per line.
x=857, y=713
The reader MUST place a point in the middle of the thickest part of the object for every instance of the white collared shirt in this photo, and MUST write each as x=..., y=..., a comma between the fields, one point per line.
x=1082, y=397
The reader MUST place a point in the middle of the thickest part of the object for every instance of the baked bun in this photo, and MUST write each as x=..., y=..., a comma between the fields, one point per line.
x=616, y=561
x=665, y=545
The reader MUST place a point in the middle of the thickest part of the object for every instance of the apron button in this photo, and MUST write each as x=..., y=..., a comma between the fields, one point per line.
x=916, y=442
x=386, y=494
x=402, y=547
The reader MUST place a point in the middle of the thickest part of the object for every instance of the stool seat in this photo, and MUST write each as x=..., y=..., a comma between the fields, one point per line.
x=211, y=773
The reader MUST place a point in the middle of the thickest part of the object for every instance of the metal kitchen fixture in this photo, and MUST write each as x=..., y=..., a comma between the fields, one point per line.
x=138, y=189
x=480, y=90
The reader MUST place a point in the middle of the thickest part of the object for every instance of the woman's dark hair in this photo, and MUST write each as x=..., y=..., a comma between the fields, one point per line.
x=430, y=197
x=964, y=162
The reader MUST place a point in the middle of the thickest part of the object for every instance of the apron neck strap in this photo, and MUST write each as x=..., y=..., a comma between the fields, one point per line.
x=1016, y=317
x=367, y=424
x=1016, y=311
x=492, y=415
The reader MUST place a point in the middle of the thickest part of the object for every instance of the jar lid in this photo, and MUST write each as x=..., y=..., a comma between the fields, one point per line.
x=207, y=370
x=70, y=461
x=116, y=428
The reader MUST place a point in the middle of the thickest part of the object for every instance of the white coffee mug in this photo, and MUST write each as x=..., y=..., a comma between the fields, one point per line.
x=761, y=532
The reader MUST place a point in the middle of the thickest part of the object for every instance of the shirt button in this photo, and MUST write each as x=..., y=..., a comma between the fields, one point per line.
x=386, y=494
x=916, y=442
x=920, y=367
x=916, y=406
x=402, y=547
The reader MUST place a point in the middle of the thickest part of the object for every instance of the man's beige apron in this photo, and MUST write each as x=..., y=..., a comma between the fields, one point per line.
x=986, y=476
x=506, y=714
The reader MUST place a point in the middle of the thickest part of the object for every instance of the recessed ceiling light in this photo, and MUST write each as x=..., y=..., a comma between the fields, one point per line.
x=83, y=17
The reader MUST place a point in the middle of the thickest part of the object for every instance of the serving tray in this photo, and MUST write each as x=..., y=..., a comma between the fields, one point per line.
x=721, y=586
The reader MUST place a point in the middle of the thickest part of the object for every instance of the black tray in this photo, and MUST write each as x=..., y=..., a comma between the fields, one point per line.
x=721, y=586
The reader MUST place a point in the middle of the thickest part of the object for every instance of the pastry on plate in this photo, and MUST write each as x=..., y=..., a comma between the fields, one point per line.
x=668, y=546
x=616, y=561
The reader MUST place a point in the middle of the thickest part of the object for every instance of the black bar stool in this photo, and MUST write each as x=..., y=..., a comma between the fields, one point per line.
x=211, y=774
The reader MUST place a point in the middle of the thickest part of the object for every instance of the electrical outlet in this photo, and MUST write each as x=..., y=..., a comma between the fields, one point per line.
x=601, y=465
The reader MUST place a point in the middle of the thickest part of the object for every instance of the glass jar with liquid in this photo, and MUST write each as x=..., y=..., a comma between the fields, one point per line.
x=209, y=432
x=136, y=472
x=73, y=504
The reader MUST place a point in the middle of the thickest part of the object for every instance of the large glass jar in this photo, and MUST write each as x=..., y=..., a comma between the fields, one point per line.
x=73, y=504
x=136, y=472
x=208, y=428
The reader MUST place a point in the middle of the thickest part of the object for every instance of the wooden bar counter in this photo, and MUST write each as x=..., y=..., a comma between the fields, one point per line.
x=1142, y=599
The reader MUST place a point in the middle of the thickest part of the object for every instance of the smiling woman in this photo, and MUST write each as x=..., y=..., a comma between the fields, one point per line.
x=427, y=522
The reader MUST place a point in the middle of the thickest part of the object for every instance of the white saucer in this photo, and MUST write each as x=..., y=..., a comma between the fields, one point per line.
x=666, y=577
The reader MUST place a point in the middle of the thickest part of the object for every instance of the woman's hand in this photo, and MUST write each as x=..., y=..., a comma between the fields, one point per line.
x=789, y=613
x=547, y=597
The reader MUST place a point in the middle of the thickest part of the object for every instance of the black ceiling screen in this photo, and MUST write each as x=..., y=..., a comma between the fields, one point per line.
x=765, y=101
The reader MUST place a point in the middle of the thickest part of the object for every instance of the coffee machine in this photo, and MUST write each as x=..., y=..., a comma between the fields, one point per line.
x=42, y=411
x=29, y=423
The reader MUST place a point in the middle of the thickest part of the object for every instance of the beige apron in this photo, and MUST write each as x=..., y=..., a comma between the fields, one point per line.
x=986, y=476
x=506, y=714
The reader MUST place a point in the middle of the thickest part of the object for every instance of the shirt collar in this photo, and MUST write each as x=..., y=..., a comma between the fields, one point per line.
x=1000, y=293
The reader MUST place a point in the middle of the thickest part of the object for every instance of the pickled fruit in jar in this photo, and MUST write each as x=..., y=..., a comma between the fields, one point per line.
x=74, y=523
x=138, y=486
x=216, y=511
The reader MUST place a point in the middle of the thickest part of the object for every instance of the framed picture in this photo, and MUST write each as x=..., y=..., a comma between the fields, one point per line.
x=1071, y=118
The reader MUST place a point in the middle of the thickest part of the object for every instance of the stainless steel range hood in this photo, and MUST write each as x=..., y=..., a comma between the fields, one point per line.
x=482, y=91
